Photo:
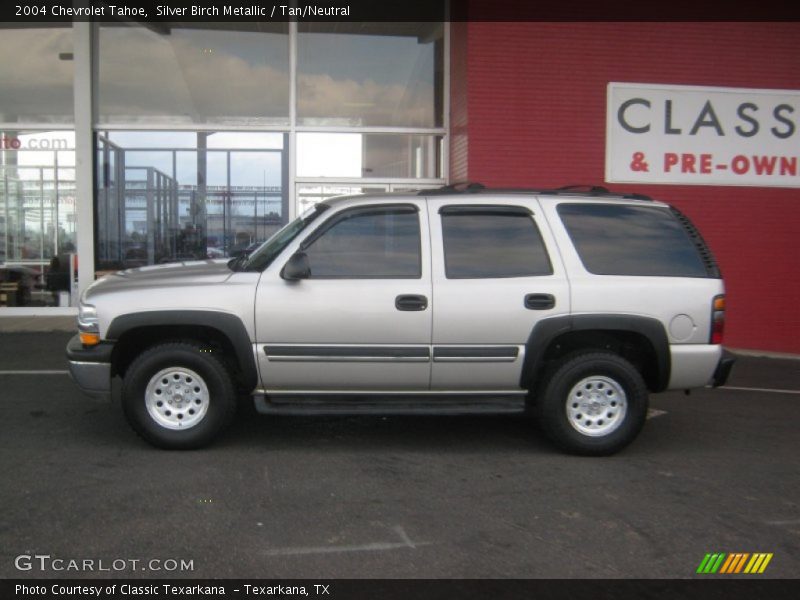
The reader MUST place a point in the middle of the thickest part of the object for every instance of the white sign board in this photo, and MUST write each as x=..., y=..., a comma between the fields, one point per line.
x=702, y=135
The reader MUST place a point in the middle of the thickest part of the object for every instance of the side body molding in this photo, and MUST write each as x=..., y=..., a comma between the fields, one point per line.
x=547, y=330
x=227, y=324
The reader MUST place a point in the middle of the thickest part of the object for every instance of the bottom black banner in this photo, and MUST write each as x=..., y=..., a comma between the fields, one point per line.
x=405, y=589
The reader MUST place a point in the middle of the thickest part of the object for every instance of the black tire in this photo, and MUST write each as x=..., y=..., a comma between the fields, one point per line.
x=604, y=386
x=198, y=391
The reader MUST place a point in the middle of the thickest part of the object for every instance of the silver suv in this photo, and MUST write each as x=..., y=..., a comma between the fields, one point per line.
x=569, y=305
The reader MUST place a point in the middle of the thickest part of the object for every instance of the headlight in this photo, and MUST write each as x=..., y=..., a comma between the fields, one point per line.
x=88, y=325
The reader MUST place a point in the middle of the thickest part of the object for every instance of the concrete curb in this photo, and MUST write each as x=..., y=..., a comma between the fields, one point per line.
x=18, y=324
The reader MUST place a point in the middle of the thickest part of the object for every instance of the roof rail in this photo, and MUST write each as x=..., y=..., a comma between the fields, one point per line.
x=590, y=189
x=460, y=187
x=593, y=190
x=570, y=190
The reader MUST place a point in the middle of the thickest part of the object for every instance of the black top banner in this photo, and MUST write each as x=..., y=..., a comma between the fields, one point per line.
x=24, y=12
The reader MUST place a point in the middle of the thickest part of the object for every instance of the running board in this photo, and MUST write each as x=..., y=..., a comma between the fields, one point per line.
x=390, y=405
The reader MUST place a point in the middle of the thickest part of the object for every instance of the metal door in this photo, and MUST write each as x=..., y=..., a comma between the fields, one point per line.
x=356, y=324
x=496, y=273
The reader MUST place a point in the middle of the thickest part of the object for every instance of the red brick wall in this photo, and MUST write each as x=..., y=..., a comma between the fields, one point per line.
x=533, y=109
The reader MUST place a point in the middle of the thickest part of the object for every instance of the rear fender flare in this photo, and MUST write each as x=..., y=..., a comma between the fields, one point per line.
x=547, y=330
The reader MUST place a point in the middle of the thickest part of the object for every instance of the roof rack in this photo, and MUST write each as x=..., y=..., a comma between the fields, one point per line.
x=569, y=190
x=590, y=189
x=461, y=187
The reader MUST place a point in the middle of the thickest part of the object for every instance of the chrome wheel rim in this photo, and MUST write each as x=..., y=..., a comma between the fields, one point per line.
x=177, y=398
x=596, y=406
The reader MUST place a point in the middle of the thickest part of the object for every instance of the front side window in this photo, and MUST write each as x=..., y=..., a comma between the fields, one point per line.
x=379, y=243
x=263, y=256
x=631, y=240
x=491, y=243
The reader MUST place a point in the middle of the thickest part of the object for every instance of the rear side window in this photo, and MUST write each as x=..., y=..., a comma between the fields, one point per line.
x=492, y=242
x=631, y=240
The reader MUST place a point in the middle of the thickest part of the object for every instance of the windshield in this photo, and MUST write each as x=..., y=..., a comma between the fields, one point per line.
x=262, y=257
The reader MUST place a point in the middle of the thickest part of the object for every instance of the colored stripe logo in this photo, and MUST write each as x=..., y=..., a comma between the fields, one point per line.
x=734, y=563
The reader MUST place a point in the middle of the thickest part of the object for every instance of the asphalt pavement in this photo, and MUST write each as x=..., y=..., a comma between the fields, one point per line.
x=394, y=497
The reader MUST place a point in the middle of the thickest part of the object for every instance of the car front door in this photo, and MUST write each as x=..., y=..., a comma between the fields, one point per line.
x=359, y=318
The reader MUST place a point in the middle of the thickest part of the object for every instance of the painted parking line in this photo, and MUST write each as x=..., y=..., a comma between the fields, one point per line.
x=34, y=372
x=405, y=542
x=752, y=389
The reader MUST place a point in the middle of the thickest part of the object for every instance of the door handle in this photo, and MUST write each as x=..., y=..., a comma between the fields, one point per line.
x=540, y=301
x=411, y=302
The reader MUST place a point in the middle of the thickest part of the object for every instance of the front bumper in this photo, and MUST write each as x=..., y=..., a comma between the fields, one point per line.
x=90, y=367
x=723, y=369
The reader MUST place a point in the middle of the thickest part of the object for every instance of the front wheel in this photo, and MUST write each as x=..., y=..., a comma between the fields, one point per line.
x=178, y=396
x=594, y=403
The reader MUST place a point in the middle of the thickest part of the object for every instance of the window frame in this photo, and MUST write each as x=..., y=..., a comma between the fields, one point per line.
x=662, y=209
x=504, y=210
x=349, y=213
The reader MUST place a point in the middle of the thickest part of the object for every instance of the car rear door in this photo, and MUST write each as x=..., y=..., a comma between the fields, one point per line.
x=496, y=273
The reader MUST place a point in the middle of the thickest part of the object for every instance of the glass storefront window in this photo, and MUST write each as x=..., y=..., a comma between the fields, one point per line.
x=192, y=123
x=36, y=74
x=165, y=196
x=310, y=194
x=37, y=213
x=370, y=74
x=195, y=73
x=373, y=155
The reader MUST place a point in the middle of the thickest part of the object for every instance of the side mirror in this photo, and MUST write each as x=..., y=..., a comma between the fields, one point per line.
x=296, y=267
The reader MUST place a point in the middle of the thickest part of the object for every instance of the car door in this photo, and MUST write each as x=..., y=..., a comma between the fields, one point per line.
x=361, y=320
x=496, y=273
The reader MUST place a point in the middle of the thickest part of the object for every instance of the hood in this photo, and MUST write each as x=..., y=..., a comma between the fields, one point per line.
x=161, y=276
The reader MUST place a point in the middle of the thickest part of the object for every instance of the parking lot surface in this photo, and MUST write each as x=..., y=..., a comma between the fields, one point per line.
x=391, y=497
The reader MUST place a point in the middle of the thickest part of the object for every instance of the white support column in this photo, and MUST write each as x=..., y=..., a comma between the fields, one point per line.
x=291, y=180
x=84, y=151
x=445, y=174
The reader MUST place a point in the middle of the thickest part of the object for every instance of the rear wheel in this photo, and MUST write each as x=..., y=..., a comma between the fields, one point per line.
x=178, y=395
x=593, y=403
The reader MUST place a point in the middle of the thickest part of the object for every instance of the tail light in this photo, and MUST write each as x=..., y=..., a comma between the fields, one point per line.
x=717, y=319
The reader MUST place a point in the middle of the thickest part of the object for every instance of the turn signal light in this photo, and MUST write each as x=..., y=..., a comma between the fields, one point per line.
x=717, y=319
x=89, y=339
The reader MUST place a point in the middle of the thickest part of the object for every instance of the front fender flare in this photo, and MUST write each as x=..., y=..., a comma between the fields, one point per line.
x=228, y=324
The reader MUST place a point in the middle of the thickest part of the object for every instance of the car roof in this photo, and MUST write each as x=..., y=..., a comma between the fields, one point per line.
x=583, y=191
x=476, y=191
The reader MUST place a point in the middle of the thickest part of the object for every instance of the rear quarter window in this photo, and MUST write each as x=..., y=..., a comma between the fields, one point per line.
x=631, y=240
